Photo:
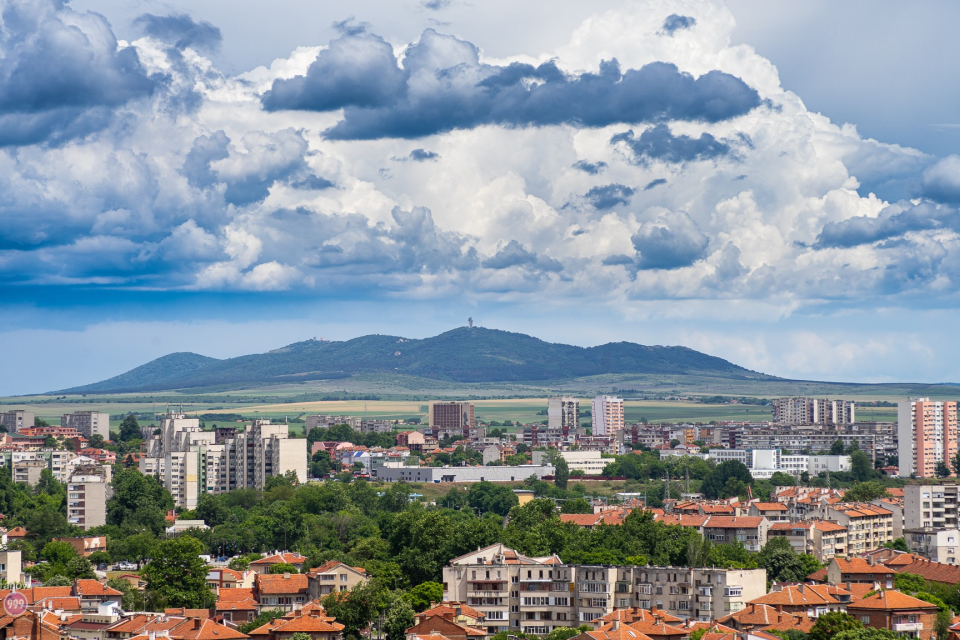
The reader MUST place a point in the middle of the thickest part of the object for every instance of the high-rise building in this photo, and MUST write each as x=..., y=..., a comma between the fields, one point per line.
x=607, y=416
x=452, y=415
x=190, y=462
x=87, y=492
x=803, y=410
x=15, y=421
x=87, y=423
x=563, y=413
x=927, y=434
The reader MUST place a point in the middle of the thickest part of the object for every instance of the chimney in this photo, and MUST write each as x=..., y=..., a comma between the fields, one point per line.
x=615, y=624
x=286, y=575
x=197, y=623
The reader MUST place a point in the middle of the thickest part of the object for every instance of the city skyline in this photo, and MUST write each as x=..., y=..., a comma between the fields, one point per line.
x=661, y=172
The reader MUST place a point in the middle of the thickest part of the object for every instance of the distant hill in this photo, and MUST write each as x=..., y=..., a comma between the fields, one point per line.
x=460, y=355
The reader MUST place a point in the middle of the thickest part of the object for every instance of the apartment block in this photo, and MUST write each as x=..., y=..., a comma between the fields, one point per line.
x=538, y=595
x=15, y=421
x=591, y=463
x=88, y=490
x=607, y=416
x=927, y=435
x=868, y=526
x=931, y=507
x=802, y=410
x=87, y=423
x=563, y=414
x=799, y=440
x=332, y=577
x=938, y=546
x=190, y=462
x=11, y=566
x=821, y=539
x=457, y=416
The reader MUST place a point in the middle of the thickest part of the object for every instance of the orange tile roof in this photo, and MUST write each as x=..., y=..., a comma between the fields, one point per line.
x=87, y=588
x=280, y=583
x=770, y=506
x=621, y=633
x=68, y=603
x=197, y=629
x=629, y=616
x=733, y=522
x=278, y=558
x=891, y=600
x=860, y=566
x=330, y=566
x=932, y=571
x=652, y=628
x=800, y=596
x=450, y=608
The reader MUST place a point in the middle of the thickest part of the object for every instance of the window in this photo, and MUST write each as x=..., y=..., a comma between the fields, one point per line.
x=343, y=577
x=865, y=619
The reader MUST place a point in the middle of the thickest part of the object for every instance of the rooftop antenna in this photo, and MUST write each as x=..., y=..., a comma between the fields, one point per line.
x=470, y=322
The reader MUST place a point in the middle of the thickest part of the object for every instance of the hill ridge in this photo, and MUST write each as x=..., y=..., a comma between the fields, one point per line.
x=462, y=354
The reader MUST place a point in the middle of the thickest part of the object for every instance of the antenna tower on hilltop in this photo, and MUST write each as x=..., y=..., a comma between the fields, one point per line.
x=470, y=322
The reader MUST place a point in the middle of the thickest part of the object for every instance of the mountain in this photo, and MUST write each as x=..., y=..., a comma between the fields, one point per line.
x=461, y=355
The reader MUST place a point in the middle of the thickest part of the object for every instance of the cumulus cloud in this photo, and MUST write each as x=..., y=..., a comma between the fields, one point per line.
x=514, y=254
x=672, y=241
x=62, y=73
x=942, y=180
x=894, y=221
x=443, y=86
x=659, y=143
x=180, y=30
x=593, y=168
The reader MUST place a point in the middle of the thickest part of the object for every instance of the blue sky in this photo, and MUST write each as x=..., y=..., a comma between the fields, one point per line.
x=772, y=183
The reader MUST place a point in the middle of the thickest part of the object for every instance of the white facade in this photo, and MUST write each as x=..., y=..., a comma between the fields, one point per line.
x=607, y=416
x=590, y=462
x=87, y=423
x=563, y=413
x=464, y=474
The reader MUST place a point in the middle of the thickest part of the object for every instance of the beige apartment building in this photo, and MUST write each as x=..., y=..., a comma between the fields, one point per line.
x=88, y=423
x=11, y=566
x=190, y=462
x=931, y=506
x=868, y=526
x=799, y=410
x=15, y=421
x=538, y=595
x=88, y=490
x=332, y=577
x=563, y=414
x=926, y=435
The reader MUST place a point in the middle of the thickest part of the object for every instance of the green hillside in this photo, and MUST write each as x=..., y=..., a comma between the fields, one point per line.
x=461, y=355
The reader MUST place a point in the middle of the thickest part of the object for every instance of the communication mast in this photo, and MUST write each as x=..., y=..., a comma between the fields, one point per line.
x=470, y=322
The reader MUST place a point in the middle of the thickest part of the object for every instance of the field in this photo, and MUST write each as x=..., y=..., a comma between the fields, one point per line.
x=250, y=405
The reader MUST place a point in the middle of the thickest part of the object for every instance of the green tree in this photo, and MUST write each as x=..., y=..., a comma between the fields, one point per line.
x=781, y=479
x=238, y=564
x=138, y=502
x=300, y=635
x=837, y=448
x=956, y=464
x=726, y=480
x=456, y=498
x=129, y=428
x=866, y=633
x=576, y=505
x=865, y=492
x=282, y=567
x=354, y=609
x=177, y=577
x=861, y=468
x=486, y=497
x=561, y=473
x=58, y=553
x=423, y=594
x=942, y=470
x=909, y=582
x=262, y=619
x=899, y=544
x=830, y=624
x=397, y=619
x=58, y=580
x=132, y=599
x=79, y=568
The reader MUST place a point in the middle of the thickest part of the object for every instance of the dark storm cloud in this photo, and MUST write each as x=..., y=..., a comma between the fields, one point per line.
x=893, y=222
x=421, y=155
x=655, y=183
x=609, y=196
x=181, y=31
x=443, y=86
x=514, y=254
x=61, y=74
x=659, y=143
x=676, y=22
x=673, y=241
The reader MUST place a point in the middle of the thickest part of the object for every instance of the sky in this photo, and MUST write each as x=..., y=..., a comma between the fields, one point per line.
x=773, y=183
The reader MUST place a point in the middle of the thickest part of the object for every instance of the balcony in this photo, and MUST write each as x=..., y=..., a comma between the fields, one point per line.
x=487, y=594
x=908, y=626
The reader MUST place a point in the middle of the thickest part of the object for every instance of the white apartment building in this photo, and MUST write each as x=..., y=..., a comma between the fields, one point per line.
x=87, y=423
x=931, y=507
x=938, y=546
x=590, y=462
x=190, y=462
x=11, y=566
x=763, y=463
x=538, y=595
x=563, y=413
x=57, y=461
x=607, y=416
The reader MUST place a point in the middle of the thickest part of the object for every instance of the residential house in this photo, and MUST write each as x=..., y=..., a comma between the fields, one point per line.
x=772, y=511
x=810, y=600
x=842, y=570
x=93, y=593
x=761, y=616
x=224, y=578
x=750, y=530
x=429, y=625
x=334, y=576
x=897, y=612
x=294, y=559
x=237, y=605
x=311, y=620
x=458, y=612
x=284, y=591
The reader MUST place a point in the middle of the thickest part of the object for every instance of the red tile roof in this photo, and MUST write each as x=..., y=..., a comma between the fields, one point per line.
x=90, y=588
x=733, y=522
x=281, y=584
x=278, y=558
x=890, y=600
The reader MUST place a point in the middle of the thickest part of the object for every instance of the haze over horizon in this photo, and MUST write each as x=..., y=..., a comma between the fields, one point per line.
x=776, y=186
